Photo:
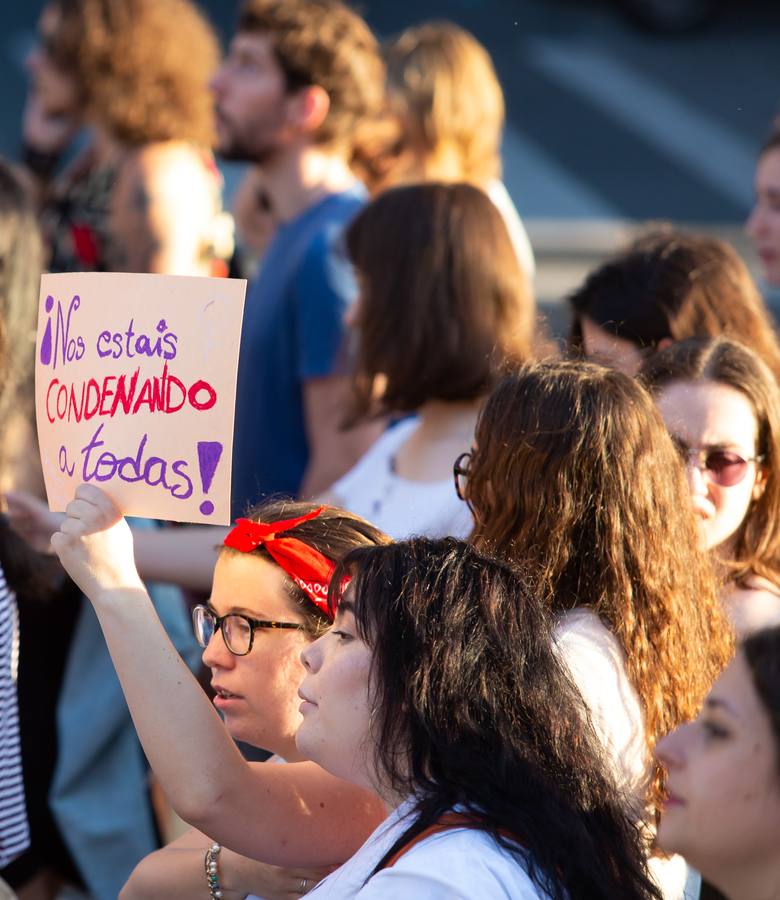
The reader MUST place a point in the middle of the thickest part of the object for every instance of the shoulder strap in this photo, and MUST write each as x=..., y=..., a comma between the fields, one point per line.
x=446, y=822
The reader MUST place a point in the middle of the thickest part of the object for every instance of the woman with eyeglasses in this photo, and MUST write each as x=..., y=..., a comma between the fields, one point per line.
x=268, y=603
x=574, y=479
x=721, y=405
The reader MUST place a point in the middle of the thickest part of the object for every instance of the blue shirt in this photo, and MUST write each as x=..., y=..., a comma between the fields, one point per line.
x=292, y=332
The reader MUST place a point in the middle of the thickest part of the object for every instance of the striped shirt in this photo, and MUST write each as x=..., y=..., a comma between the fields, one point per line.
x=14, y=830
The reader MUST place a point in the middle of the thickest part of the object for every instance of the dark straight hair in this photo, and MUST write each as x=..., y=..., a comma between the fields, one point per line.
x=762, y=653
x=473, y=710
x=670, y=285
x=444, y=304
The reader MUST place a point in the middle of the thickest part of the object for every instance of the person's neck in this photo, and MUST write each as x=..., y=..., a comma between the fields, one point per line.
x=301, y=176
x=448, y=419
x=757, y=880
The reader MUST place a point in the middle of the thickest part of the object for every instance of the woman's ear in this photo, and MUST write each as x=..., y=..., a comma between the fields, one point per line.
x=664, y=343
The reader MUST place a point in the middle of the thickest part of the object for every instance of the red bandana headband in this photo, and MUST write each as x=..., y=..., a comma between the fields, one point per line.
x=307, y=567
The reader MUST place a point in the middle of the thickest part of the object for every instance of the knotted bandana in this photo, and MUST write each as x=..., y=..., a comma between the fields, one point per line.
x=307, y=567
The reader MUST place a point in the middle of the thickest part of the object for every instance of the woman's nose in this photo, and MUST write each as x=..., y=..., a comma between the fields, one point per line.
x=697, y=483
x=216, y=653
x=670, y=749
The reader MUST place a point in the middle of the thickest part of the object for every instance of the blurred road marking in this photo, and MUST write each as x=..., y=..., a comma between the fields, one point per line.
x=541, y=187
x=663, y=119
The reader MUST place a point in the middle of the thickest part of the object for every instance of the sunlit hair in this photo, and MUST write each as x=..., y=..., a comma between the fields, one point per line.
x=325, y=43
x=333, y=533
x=142, y=66
x=451, y=308
x=756, y=549
x=472, y=709
x=762, y=654
x=575, y=479
x=26, y=572
x=444, y=89
x=20, y=273
x=672, y=285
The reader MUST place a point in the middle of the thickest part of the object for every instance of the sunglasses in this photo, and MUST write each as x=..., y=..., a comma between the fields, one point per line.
x=722, y=467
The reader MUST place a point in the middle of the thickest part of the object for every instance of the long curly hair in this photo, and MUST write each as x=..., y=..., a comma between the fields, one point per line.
x=473, y=710
x=142, y=66
x=756, y=549
x=575, y=479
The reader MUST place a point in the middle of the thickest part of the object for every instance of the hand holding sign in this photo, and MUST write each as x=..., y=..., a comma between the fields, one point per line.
x=95, y=544
x=129, y=394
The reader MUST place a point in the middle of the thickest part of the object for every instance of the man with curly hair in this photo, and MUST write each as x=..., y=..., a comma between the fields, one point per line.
x=302, y=83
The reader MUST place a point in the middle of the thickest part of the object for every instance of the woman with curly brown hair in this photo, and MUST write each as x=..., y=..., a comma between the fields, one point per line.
x=721, y=405
x=144, y=194
x=574, y=479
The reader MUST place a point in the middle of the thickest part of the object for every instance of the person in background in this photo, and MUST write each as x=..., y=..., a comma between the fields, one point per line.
x=125, y=81
x=722, y=809
x=668, y=286
x=449, y=115
x=763, y=226
x=433, y=331
x=573, y=478
x=20, y=272
x=301, y=81
x=721, y=405
x=20, y=570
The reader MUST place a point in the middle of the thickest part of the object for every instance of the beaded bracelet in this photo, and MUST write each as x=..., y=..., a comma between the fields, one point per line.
x=212, y=876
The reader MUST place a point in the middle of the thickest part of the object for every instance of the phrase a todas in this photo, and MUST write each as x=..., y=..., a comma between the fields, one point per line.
x=105, y=465
x=163, y=393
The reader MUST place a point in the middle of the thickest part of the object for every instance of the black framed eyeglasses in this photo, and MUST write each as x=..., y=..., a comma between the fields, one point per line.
x=460, y=472
x=238, y=630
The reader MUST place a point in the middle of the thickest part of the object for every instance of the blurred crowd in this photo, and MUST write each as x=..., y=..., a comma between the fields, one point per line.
x=500, y=612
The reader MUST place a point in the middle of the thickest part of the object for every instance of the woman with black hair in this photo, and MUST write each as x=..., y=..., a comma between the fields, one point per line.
x=438, y=687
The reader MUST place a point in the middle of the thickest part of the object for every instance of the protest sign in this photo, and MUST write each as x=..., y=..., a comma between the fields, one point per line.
x=135, y=386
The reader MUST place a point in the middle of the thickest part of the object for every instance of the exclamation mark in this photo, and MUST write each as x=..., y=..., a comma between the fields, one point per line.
x=209, y=454
x=46, y=342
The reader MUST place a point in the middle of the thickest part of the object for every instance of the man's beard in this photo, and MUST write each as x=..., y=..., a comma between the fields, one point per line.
x=240, y=148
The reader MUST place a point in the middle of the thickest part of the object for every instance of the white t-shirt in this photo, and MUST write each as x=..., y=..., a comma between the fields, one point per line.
x=457, y=864
x=597, y=666
x=514, y=224
x=400, y=507
x=596, y=662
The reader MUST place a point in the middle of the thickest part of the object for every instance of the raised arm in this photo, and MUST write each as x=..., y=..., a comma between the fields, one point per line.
x=294, y=814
